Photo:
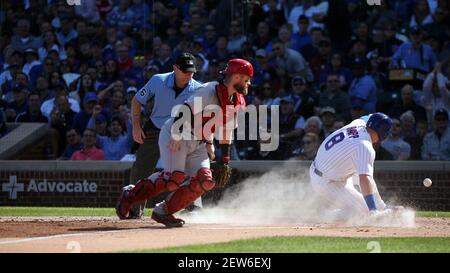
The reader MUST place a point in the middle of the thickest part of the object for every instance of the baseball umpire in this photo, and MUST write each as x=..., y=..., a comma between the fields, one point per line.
x=167, y=90
x=186, y=162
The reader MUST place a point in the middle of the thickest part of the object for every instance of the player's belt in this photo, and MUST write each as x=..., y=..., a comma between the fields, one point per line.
x=316, y=171
x=319, y=173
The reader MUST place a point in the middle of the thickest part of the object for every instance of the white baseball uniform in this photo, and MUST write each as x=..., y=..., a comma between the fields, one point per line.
x=343, y=154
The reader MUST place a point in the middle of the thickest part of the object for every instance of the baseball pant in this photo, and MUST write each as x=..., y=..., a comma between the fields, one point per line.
x=343, y=195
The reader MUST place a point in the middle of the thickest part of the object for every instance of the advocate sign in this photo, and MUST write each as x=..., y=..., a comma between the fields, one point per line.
x=13, y=187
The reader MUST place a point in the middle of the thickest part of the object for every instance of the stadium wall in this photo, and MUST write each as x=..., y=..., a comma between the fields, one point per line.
x=97, y=183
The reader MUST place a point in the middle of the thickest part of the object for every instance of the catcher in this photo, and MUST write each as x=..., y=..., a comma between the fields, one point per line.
x=186, y=161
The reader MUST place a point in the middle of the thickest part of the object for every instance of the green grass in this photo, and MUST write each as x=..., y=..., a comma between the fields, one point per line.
x=285, y=244
x=433, y=213
x=63, y=211
x=55, y=211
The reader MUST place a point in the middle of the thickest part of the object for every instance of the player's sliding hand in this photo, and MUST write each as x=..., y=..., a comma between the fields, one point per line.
x=138, y=134
x=174, y=145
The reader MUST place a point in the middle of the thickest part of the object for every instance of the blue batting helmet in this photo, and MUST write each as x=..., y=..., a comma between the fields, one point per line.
x=381, y=124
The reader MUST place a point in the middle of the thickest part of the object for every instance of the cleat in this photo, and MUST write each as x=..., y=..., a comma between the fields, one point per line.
x=168, y=220
x=123, y=206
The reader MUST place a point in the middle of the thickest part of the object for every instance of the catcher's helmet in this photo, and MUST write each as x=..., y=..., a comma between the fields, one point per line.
x=238, y=66
x=380, y=123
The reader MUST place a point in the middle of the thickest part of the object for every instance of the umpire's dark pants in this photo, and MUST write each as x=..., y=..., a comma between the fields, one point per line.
x=147, y=156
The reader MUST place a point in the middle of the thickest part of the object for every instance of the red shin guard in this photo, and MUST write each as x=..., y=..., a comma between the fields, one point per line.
x=187, y=194
x=146, y=189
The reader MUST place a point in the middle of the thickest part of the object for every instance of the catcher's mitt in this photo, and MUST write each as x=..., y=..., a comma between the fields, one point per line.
x=221, y=175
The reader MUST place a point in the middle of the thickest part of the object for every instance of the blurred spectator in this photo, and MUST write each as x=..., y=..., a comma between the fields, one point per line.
x=67, y=33
x=406, y=103
x=436, y=145
x=209, y=39
x=104, y=7
x=436, y=91
x=163, y=58
x=74, y=144
x=235, y=37
x=121, y=16
x=310, y=50
x=102, y=124
x=42, y=88
x=33, y=111
x=291, y=128
x=61, y=119
x=363, y=86
x=274, y=15
x=219, y=52
x=81, y=119
x=118, y=144
x=290, y=63
x=268, y=95
x=422, y=15
x=336, y=98
x=23, y=38
x=123, y=59
x=357, y=109
x=19, y=103
x=409, y=134
x=328, y=116
x=50, y=105
x=336, y=66
x=440, y=26
x=399, y=149
x=319, y=60
x=304, y=99
x=31, y=61
x=414, y=54
x=88, y=11
x=85, y=84
x=310, y=145
x=135, y=76
x=89, y=151
x=262, y=37
x=301, y=37
x=264, y=71
x=381, y=153
x=314, y=125
x=49, y=43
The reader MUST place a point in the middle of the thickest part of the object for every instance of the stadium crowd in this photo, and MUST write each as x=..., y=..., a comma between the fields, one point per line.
x=324, y=63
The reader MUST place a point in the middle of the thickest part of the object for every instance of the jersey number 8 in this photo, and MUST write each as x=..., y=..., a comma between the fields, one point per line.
x=334, y=140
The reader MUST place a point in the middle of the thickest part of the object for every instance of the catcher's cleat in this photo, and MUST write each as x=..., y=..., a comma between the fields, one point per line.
x=123, y=205
x=168, y=220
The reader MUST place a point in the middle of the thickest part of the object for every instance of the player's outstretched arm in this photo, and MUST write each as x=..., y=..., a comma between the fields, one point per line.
x=365, y=183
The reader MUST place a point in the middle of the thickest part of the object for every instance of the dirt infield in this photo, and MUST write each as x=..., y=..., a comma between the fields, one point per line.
x=107, y=234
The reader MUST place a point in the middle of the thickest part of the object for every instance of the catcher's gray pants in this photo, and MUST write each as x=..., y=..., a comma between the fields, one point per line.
x=191, y=157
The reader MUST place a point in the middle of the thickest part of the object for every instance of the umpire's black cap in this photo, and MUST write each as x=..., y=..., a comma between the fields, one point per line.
x=186, y=62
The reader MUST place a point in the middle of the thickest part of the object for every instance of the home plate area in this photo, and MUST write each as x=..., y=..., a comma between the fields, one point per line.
x=108, y=234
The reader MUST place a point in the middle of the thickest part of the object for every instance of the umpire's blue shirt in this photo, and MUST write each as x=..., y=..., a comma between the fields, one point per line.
x=160, y=86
